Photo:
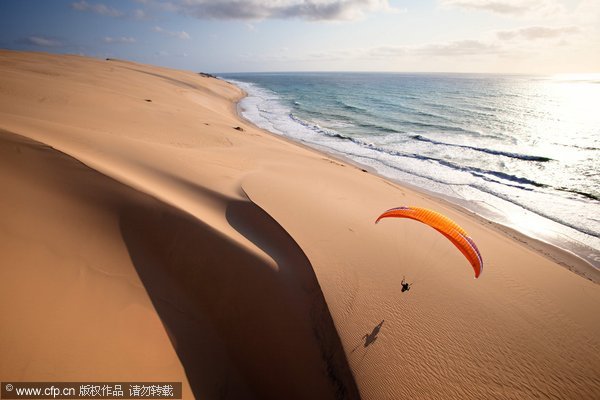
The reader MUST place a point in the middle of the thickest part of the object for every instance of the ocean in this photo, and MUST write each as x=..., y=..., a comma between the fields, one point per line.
x=522, y=151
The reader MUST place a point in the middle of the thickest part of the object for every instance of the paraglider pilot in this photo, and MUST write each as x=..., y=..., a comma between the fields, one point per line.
x=405, y=285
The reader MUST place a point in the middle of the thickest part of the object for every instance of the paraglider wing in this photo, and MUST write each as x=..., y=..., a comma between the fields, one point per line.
x=444, y=225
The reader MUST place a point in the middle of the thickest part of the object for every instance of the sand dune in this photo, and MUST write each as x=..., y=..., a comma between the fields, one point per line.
x=96, y=266
x=144, y=238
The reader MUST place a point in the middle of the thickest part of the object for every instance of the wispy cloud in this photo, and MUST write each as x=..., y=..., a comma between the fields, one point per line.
x=119, y=40
x=313, y=10
x=508, y=7
x=180, y=35
x=139, y=14
x=456, y=48
x=97, y=8
x=538, y=32
x=41, y=41
x=163, y=53
x=108, y=11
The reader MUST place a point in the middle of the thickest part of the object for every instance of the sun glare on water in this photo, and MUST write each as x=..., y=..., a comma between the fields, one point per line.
x=592, y=77
x=568, y=104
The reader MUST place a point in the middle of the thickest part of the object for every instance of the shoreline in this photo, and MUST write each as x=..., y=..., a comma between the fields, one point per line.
x=561, y=255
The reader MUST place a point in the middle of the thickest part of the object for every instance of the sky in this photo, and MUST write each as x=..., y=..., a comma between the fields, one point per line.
x=482, y=36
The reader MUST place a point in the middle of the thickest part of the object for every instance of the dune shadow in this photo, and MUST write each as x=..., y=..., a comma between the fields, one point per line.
x=172, y=256
x=166, y=78
x=242, y=326
x=297, y=276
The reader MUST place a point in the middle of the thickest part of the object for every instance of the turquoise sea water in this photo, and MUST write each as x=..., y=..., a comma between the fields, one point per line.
x=520, y=150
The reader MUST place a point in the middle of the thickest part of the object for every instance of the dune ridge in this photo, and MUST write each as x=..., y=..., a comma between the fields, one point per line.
x=150, y=239
x=225, y=308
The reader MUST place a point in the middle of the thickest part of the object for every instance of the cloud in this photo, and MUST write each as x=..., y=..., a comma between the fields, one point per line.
x=97, y=8
x=537, y=32
x=122, y=39
x=139, y=14
x=387, y=51
x=313, y=10
x=499, y=6
x=180, y=35
x=508, y=7
x=41, y=41
x=456, y=48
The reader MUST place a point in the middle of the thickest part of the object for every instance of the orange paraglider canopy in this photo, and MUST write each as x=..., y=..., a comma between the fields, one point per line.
x=444, y=225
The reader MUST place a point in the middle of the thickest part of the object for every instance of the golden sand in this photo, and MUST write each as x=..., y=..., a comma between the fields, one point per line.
x=143, y=237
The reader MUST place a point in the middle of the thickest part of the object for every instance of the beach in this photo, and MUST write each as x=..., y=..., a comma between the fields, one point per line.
x=149, y=233
x=504, y=147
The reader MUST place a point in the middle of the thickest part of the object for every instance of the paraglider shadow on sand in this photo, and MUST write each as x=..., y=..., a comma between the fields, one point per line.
x=365, y=342
x=369, y=338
